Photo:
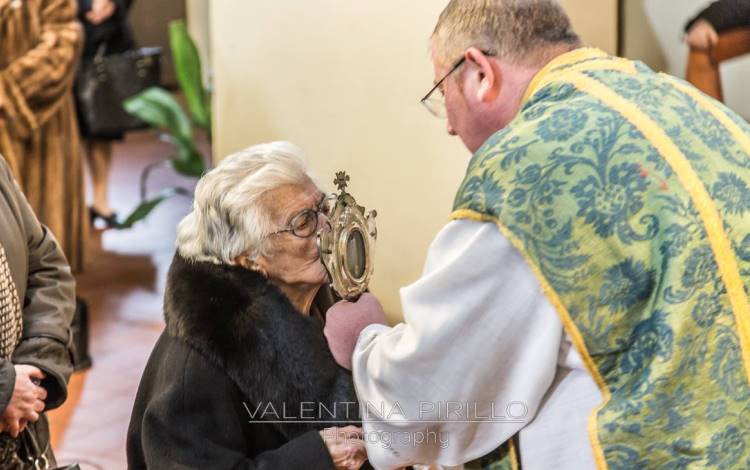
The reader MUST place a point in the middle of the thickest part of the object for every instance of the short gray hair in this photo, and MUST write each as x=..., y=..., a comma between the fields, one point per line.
x=519, y=31
x=228, y=218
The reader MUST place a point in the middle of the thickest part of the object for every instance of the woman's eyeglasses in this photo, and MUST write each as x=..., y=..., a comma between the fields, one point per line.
x=305, y=223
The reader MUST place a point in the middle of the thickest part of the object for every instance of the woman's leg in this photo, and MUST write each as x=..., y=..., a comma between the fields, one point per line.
x=99, y=155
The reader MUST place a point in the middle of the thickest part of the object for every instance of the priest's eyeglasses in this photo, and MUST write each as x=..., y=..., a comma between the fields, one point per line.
x=436, y=104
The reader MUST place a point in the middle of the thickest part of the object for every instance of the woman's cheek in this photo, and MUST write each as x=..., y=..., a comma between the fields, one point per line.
x=313, y=249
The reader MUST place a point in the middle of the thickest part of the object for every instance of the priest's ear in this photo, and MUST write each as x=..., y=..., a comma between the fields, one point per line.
x=485, y=72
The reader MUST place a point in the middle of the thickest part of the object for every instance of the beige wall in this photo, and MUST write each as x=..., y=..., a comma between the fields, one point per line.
x=595, y=21
x=640, y=40
x=199, y=26
x=343, y=79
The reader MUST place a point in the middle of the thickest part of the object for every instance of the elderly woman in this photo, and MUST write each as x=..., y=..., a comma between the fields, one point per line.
x=242, y=376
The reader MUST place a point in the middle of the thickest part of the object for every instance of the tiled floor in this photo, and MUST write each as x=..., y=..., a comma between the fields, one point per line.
x=123, y=285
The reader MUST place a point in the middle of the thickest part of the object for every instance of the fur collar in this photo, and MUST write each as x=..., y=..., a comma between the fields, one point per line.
x=247, y=327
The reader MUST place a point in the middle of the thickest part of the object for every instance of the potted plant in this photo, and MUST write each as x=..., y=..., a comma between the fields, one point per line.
x=158, y=108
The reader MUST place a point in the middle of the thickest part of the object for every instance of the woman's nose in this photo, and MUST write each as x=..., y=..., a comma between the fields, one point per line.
x=324, y=223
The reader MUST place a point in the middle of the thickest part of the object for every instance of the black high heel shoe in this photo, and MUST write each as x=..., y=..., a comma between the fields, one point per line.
x=110, y=221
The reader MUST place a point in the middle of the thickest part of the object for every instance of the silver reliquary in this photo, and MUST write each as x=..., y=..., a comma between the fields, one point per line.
x=348, y=248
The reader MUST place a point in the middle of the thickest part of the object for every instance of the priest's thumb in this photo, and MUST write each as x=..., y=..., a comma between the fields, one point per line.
x=346, y=320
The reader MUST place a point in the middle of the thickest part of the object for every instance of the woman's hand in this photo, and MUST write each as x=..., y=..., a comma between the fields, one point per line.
x=702, y=35
x=27, y=401
x=346, y=447
x=100, y=11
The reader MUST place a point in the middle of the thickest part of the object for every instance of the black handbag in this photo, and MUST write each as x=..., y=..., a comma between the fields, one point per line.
x=24, y=453
x=36, y=458
x=105, y=81
x=80, y=333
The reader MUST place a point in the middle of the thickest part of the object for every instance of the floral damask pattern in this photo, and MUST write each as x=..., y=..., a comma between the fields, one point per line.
x=564, y=124
x=614, y=233
x=726, y=365
x=651, y=340
x=732, y=192
x=706, y=310
x=727, y=447
x=608, y=204
x=626, y=284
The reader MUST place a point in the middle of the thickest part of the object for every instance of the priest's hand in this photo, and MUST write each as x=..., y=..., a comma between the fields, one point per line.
x=346, y=320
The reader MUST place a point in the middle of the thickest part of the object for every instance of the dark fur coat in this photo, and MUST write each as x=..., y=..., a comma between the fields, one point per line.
x=233, y=339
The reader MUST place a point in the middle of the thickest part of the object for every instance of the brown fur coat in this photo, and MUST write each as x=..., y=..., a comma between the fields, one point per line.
x=40, y=43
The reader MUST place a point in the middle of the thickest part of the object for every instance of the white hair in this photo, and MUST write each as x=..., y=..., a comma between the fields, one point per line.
x=228, y=218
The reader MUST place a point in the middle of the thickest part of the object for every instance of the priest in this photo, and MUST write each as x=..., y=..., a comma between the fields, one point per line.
x=586, y=306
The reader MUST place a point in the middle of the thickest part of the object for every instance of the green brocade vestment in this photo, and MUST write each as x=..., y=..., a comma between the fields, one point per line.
x=628, y=194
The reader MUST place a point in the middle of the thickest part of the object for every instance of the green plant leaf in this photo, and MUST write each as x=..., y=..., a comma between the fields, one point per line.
x=188, y=162
x=187, y=64
x=158, y=108
x=145, y=207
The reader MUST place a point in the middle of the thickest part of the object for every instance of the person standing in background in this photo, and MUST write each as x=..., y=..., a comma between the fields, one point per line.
x=106, y=28
x=702, y=32
x=37, y=293
x=40, y=42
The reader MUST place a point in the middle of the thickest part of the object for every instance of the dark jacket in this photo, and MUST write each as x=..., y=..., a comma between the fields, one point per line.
x=46, y=289
x=114, y=33
x=114, y=36
x=234, y=344
x=724, y=15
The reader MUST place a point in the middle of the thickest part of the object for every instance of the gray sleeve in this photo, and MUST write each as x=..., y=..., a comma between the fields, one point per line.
x=48, y=304
x=7, y=383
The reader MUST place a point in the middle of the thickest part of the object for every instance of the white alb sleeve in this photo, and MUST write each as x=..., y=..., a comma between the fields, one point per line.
x=469, y=365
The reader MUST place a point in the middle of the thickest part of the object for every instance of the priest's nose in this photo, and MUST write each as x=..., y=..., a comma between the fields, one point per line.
x=449, y=128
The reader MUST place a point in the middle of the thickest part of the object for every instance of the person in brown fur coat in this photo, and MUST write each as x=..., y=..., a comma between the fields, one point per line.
x=40, y=43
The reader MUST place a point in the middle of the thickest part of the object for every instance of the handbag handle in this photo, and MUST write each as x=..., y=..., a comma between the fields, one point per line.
x=101, y=51
x=33, y=454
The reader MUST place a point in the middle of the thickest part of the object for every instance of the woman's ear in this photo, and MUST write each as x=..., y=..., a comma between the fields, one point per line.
x=488, y=74
x=250, y=264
